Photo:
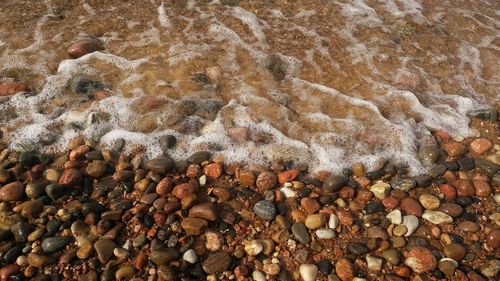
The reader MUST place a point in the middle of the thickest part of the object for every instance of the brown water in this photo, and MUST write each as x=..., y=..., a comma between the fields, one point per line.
x=324, y=82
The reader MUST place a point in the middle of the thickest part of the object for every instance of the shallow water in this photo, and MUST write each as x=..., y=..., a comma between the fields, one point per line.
x=323, y=82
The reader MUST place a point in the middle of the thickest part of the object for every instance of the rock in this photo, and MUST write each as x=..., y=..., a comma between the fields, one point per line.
x=482, y=188
x=217, y=263
x=265, y=210
x=280, y=235
x=333, y=221
x=40, y=261
x=451, y=209
x=193, y=226
x=380, y=190
x=411, y=207
x=121, y=253
x=215, y=240
x=104, y=249
x=448, y=191
x=288, y=192
x=464, y=187
x=125, y=272
x=9, y=88
x=8, y=270
x=493, y=239
x=391, y=256
x=334, y=183
x=300, y=233
x=447, y=266
x=468, y=226
x=455, y=251
x=13, y=191
x=373, y=263
x=325, y=233
x=21, y=230
x=429, y=154
x=411, y=224
x=490, y=268
x=160, y=165
x=308, y=272
x=213, y=170
x=164, y=187
x=344, y=269
x=96, y=169
x=288, y=176
x=199, y=157
x=429, y=202
x=164, y=256
x=266, y=181
x=190, y=256
x=377, y=232
x=357, y=249
x=420, y=260
x=395, y=217
x=310, y=205
x=31, y=209
x=437, y=217
x=70, y=177
x=55, y=244
x=315, y=221
x=246, y=178
x=84, y=47
x=183, y=190
x=454, y=149
x=204, y=211
x=403, y=184
x=486, y=166
x=253, y=247
x=258, y=276
x=480, y=146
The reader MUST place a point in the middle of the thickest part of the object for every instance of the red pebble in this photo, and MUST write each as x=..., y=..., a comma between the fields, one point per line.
x=287, y=176
x=448, y=191
x=213, y=170
x=390, y=203
x=347, y=193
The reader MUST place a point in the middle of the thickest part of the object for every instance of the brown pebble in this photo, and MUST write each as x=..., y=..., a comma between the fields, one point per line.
x=310, y=205
x=344, y=269
x=84, y=47
x=480, y=146
x=204, y=211
x=193, y=226
x=288, y=176
x=216, y=263
x=464, y=187
x=13, y=191
x=420, y=259
x=468, y=226
x=451, y=209
x=377, y=232
x=184, y=189
x=411, y=207
x=70, y=177
x=482, y=188
x=9, y=88
x=454, y=149
x=265, y=181
x=246, y=178
x=140, y=260
x=493, y=239
x=455, y=251
x=7, y=271
x=213, y=170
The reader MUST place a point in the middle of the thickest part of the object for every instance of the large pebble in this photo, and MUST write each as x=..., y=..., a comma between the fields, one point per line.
x=395, y=217
x=266, y=181
x=84, y=47
x=265, y=210
x=160, y=165
x=164, y=256
x=429, y=201
x=334, y=183
x=455, y=251
x=205, y=211
x=193, y=226
x=253, y=247
x=308, y=272
x=411, y=207
x=480, y=146
x=373, y=263
x=40, y=261
x=12, y=192
x=325, y=233
x=55, y=244
x=315, y=221
x=411, y=224
x=104, y=249
x=333, y=221
x=344, y=269
x=420, y=260
x=437, y=217
x=125, y=272
x=190, y=256
x=300, y=233
x=493, y=239
x=217, y=262
x=380, y=190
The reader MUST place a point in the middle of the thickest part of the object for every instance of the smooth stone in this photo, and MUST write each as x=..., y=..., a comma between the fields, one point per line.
x=258, y=276
x=55, y=191
x=429, y=202
x=289, y=192
x=357, y=249
x=325, y=266
x=308, y=272
x=40, y=261
x=403, y=184
x=199, y=157
x=13, y=191
x=486, y=166
x=104, y=249
x=193, y=226
x=468, y=226
x=333, y=221
x=391, y=256
x=35, y=189
x=190, y=256
x=429, y=154
x=493, y=239
x=21, y=230
x=395, y=217
x=399, y=230
x=125, y=272
x=121, y=253
x=451, y=209
x=253, y=247
x=380, y=190
x=398, y=242
x=447, y=266
x=205, y=211
x=420, y=260
x=455, y=251
x=411, y=206
x=84, y=47
x=373, y=263
x=315, y=221
x=216, y=263
x=164, y=256
x=377, y=232
x=265, y=210
x=300, y=233
x=55, y=244
x=437, y=217
x=160, y=165
x=325, y=233
x=334, y=183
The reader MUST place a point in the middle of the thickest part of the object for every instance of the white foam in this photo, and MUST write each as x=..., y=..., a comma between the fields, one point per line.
x=163, y=17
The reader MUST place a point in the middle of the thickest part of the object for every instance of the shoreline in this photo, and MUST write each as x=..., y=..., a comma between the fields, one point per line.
x=98, y=215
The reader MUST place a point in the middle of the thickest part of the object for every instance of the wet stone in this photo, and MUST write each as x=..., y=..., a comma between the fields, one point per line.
x=421, y=259
x=308, y=272
x=199, y=157
x=104, y=249
x=455, y=251
x=300, y=233
x=403, y=184
x=216, y=263
x=55, y=244
x=357, y=249
x=334, y=183
x=84, y=47
x=160, y=165
x=265, y=210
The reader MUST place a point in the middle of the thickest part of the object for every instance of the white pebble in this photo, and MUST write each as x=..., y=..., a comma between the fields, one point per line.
x=497, y=198
x=253, y=248
x=380, y=190
x=308, y=272
x=258, y=276
x=411, y=223
x=437, y=217
x=395, y=217
x=289, y=193
x=325, y=233
x=203, y=180
x=373, y=263
x=190, y=256
x=333, y=221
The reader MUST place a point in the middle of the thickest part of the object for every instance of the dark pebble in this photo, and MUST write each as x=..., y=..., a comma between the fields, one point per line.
x=352, y=183
x=27, y=159
x=466, y=164
x=94, y=155
x=304, y=192
x=374, y=207
x=456, y=238
x=463, y=201
x=21, y=230
x=93, y=207
x=5, y=235
x=327, y=199
x=375, y=175
x=11, y=255
x=265, y=210
x=437, y=170
x=86, y=85
x=55, y=191
x=325, y=266
x=423, y=180
x=452, y=166
x=313, y=181
x=485, y=114
x=55, y=244
x=53, y=226
x=334, y=183
x=486, y=166
x=357, y=249
x=167, y=141
x=199, y=157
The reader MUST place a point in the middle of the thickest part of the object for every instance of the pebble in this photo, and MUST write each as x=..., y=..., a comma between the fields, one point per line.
x=377, y=232
x=199, y=157
x=344, y=269
x=411, y=207
x=454, y=149
x=247, y=178
x=493, y=239
x=325, y=233
x=480, y=146
x=373, y=263
x=266, y=181
x=84, y=47
x=12, y=192
x=451, y=209
x=216, y=263
x=163, y=256
x=289, y=192
x=300, y=233
x=399, y=230
x=411, y=224
x=429, y=202
x=183, y=190
x=437, y=217
x=55, y=244
x=265, y=210
x=447, y=266
x=429, y=154
x=482, y=188
x=160, y=165
x=315, y=221
x=258, y=276
x=464, y=187
x=193, y=226
x=420, y=260
x=121, y=253
x=253, y=247
x=7, y=271
x=104, y=249
x=308, y=272
x=333, y=221
x=190, y=256
x=204, y=211
x=9, y=88
x=391, y=256
x=395, y=217
x=455, y=251
x=380, y=190
x=125, y=272
x=334, y=183
x=468, y=226
x=490, y=268
x=39, y=261
x=403, y=184
x=213, y=170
